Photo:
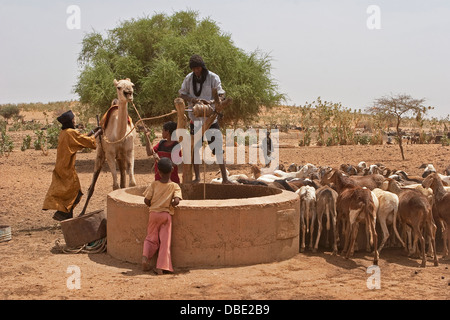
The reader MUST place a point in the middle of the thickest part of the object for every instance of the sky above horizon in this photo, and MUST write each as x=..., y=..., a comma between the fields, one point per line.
x=342, y=51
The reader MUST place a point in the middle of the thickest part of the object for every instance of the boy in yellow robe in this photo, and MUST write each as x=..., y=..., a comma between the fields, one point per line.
x=65, y=190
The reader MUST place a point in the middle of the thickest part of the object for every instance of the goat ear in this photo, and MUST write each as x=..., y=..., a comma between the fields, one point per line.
x=115, y=82
x=426, y=182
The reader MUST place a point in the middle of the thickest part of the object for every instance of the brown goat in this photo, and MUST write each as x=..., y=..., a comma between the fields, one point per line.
x=442, y=206
x=348, y=169
x=354, y=204
x=370, y=181
x=326, y=199
x=408, y=179
x=414, y=210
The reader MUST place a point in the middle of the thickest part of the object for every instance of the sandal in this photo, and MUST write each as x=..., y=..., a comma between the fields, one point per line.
x=145, y=264
x=61, y=216
x=158, y=271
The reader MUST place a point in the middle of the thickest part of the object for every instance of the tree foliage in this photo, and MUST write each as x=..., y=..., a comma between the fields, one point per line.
x=8, y=111
x=154, y=53
x=398, y=107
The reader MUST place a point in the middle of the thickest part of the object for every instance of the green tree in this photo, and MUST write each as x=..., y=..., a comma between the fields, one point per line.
x=399, y=106
x=9, y=110
x=154, y=53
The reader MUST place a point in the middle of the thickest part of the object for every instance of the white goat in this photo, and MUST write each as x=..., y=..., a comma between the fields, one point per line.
x=307, y=212
x=387, y=212
x=361, y=166
x=232, y=178
x=268, y=177
x=429, y=168
x=306, y=171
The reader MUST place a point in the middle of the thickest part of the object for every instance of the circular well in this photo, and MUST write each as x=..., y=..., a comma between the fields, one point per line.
x=233, y=225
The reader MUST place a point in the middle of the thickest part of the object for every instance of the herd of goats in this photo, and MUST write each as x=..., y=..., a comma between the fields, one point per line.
x=351, y=195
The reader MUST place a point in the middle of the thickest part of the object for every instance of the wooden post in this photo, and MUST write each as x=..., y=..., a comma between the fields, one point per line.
x=181, y=124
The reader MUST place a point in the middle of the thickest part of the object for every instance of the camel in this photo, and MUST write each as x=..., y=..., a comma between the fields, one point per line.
x=117, y=141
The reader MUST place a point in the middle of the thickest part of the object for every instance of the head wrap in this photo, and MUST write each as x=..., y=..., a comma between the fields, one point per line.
x=66, y=120
x=196, y=61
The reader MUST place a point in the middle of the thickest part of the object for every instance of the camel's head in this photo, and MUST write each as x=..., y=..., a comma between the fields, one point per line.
x=125, y=89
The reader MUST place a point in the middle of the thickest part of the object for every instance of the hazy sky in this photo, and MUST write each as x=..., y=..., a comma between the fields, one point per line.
x=319, y=47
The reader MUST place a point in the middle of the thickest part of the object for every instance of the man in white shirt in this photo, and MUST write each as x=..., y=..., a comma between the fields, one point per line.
x=197, y=87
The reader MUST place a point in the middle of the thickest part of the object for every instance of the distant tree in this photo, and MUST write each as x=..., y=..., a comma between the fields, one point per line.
x=154, y=53
x=399, y=106
x=9, y=110
x=323, y=111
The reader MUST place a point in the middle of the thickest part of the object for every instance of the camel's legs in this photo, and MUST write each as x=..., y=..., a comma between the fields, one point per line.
x=122, y=169
x=112, y=167
x=130, y=168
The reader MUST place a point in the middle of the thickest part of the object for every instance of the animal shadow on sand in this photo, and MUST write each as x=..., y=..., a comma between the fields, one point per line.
x=337, y=260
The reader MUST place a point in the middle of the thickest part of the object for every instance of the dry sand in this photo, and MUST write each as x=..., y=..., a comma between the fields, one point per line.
x=33, y=268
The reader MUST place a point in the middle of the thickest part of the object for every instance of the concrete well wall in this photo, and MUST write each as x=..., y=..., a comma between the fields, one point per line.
x=235, y=225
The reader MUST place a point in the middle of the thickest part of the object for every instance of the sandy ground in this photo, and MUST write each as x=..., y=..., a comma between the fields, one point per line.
x=32, y=267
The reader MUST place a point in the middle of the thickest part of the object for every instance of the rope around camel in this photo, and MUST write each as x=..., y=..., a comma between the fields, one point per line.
x=135, y=125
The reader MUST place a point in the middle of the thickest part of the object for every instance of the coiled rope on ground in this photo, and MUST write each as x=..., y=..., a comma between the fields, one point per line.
x=97, y=246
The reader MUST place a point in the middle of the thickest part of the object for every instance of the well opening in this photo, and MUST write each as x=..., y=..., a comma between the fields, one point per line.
x=216, y=191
